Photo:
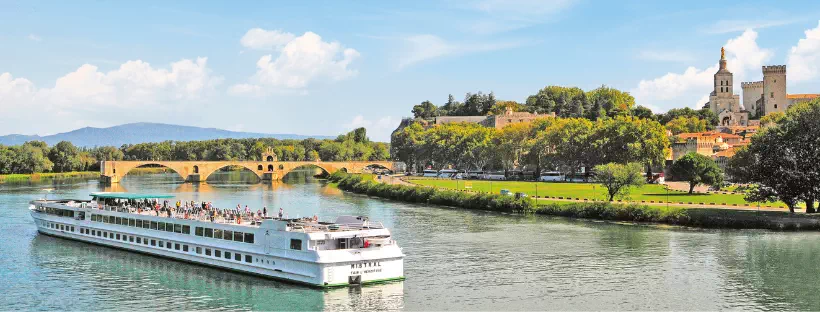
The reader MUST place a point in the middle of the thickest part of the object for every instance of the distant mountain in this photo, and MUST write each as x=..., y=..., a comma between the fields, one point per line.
x=142, y=132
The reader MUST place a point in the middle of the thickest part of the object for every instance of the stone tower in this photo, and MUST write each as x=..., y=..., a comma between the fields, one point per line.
x=752, y=91
x=774, y=89
x=723, y=95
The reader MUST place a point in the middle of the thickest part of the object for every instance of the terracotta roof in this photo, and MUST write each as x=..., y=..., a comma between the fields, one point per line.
x=725, y=153
x=708, y=135
x=802, y=96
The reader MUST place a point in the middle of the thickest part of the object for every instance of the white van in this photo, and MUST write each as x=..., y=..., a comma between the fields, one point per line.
x=551, y=176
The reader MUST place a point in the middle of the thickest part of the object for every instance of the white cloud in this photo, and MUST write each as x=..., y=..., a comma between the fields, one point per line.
x=378, y=130
x=134, y=86
x=420, y=48
x=301, y=61
x=34, y=37
x=731, y=26
x=691, y=88
x=260, y=39
x=804, y=58
x=666, y=56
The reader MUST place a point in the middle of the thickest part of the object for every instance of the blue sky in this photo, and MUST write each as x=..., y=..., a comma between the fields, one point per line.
x=326, y=67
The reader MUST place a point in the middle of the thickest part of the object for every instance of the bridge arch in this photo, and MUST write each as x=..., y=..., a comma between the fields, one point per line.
x=126, y=170
x=250, y=167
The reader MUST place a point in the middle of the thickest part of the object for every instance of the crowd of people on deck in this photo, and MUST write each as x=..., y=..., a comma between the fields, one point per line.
x=190, y=210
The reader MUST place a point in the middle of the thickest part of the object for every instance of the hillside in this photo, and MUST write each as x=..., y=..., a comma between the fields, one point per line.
x=134, y=133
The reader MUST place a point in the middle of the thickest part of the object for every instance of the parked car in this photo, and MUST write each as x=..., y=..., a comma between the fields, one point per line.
x=506, y=192
x=521, y=195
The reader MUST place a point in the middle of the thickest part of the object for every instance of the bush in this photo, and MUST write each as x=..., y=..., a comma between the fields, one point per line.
x=617, y=212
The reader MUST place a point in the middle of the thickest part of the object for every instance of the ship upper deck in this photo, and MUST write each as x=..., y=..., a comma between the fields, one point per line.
x=149, y=205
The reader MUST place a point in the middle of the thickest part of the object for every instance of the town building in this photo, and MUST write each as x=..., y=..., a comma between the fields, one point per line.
x=494, y=121
x=720, y=146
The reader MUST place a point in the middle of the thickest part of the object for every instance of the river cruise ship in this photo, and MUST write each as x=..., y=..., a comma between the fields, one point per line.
x=350, y=251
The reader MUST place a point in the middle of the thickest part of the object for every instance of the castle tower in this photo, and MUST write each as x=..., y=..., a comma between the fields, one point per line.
x=721, y=98
x=752, y=91
x=774, y=89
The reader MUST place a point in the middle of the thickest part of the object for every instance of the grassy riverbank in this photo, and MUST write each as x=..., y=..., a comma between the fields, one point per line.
x=49, y=176
x=648, y=193
x=695, y=217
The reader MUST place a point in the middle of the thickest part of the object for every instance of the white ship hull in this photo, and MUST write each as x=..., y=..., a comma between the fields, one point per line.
x=264, y=257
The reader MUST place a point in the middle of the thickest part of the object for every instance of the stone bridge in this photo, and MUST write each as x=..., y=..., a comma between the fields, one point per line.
x=196, y=171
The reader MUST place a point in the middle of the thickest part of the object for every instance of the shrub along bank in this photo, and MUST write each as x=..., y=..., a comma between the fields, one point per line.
x=429, y=195
x=697, y=217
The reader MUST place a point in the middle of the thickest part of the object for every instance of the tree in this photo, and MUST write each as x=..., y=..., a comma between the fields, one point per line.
x=642, y=112
x=512, y=144
x=782, y=159
x=612, y=102
x=697, y=169
x=626, y=139
x=772, y=119
x=618, y=179
x=704, y=114
x=424, y=110
x=312, y=156
x=570, y=140
x=64, y=156
x=683, y=124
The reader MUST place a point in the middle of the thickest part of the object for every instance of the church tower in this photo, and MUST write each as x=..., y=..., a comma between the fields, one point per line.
x=723, y=92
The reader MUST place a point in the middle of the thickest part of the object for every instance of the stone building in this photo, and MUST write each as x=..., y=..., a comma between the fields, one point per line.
x=722, y=99
x=770, y=95
x=705, y=143
x=494, y=121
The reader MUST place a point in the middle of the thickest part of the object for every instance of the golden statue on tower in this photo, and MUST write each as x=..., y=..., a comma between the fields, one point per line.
x=722, y=53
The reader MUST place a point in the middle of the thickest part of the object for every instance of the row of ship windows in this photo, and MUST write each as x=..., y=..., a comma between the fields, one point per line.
x=162, y=244
x=58, y=212
x=224, y=234
x=176, y=228
x=152, y=242
x=145, y=224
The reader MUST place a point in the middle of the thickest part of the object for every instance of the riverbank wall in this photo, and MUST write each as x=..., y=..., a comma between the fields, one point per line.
x=635, y=213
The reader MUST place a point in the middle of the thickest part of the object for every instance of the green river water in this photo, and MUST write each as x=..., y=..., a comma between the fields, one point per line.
x=456, y=259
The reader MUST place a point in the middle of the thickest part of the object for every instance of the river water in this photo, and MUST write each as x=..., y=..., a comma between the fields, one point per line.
x=456, y=260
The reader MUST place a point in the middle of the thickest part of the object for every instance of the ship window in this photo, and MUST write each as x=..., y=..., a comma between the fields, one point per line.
x=199, y=250
x=93, y=232
x=209, y=232
x=99, y=233
x=217, y=253
x=177, y=228
x=186, y=229
x=169, y=227
x=139, y=223
x=248, y=259
x=295, y=244
x=153, y=242
x=237, y=257
x=132, y=222
x=198, y=231
x=145, y=241
x=227, y=235
x=130, y=238
x=168, y=245
x=146, y=224
x=342, y=243
x=118, y=235
x=139, y=240
x=207, y=251
x=118, y=220
x=153, y=225
x=249, y=238
x=103, y=219
x=105, y=234
x=72, y=229
x=161, y=226
x=161, y=244
x=218, y=233
x=228, y=255
x=237, y=236
x=176, y=246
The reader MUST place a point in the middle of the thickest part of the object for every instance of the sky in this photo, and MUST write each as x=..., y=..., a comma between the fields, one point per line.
x=323, y=68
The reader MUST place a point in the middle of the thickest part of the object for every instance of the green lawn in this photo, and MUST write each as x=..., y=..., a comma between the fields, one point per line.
x=649, y=192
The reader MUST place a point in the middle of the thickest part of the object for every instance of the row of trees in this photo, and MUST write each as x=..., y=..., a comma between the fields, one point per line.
x=781, y=160
x=545, y=144
x=572, y=102
x=37, y=156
